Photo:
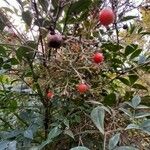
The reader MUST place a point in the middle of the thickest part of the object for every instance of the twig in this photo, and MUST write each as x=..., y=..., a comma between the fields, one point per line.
x=131, y=69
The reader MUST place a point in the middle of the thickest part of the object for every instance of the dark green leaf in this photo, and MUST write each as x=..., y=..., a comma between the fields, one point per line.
x=132, y=28
x=136, y=53
x=42, y=22
x=79, y=6
x=124, y=80
x=6, y=66
x=110, y=99
x=3, y=20
x=140, y=30
x=27, y=17
x=1, y=61
x=26, y=51
x=13, y=61
x=44, y=4
x=129, y=49
x=127, y=18
x=2, y=51
x=139, y=86
x=111, y=46
x=145, y=33
x=133, y=78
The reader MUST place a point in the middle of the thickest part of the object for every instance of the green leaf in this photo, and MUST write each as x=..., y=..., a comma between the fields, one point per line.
x=1, y=61
x=111, y=46
x=2, y=51
x=42, y=22
x=145, y=126
x=79, y=148
x=142, y=59
x=132, y=28
x=145, y=33
x=133, y=78
x=13, y=61
x=44, y=4
x=26, y=51
x=136, y=100
x=27, y=17
x=136, y=53
x=20, y=2
x=129, y=49
x=79, y=6
x=110, y=99
x=140, y=30
x=126, y=18
x=114, y=141
x=126, y=148
x=97, y=116
x=7, y=66
x=139, y=86
x=3, y=21
x=56, y=131
x=69, y=133
x=4, y=145
x=142, y=107
x=141, y=115
x=12, y=145
x=132, y=126
x=124, y=80
x=127, y=112
x=28, y=134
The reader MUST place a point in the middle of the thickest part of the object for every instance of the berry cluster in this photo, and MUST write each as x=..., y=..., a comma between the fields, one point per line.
x=106, y=17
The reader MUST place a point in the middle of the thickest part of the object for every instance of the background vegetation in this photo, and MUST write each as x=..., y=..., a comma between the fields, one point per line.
x=113, y=114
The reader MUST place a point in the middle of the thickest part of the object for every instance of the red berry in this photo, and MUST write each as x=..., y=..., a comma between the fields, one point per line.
x=49, y=94
x=106, y=16
x=82, y=87
x=98, y=58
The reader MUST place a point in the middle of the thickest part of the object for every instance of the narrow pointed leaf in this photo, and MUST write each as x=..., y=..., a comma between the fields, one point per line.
x=97, y=116
x=114, y=141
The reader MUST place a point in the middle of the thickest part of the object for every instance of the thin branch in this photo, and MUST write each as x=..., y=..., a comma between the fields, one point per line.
x=131, y=69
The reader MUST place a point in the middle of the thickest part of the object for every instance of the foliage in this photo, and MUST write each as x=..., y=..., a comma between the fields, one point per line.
x=113, y=112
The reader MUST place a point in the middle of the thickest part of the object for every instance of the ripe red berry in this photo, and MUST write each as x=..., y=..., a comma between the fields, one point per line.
x=106, y=16
x=82, y=87
x=54, y=40
x=98, y=58
x=50, y=95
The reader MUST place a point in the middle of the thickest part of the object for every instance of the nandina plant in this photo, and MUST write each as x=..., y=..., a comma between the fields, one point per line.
x=71, y=78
